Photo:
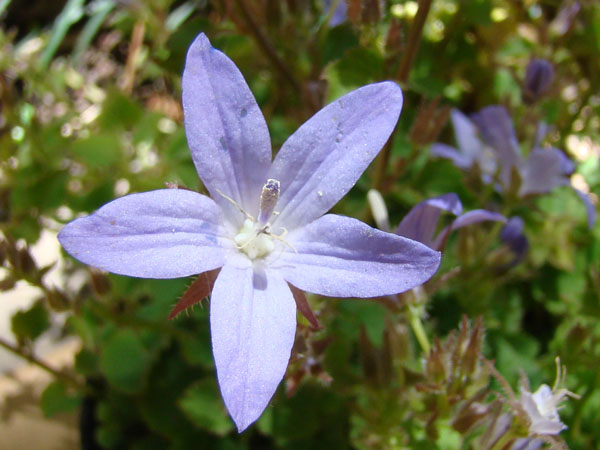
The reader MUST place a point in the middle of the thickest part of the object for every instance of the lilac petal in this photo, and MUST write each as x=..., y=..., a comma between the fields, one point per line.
x=445, y=151
x=540, y=424
x=342, y=257
x=589, y=207
x=544, y=170
x=168, y=233
x=496, y=128
x=476, y=216
x=420, y=223
x=325, y=157
x=253, y=325
x=498, y=428
x=226, y=131
x=469, y=218
x=527, y=444
x=466, y=135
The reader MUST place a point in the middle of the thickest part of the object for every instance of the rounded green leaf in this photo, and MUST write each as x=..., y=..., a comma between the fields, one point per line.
x=125, y=361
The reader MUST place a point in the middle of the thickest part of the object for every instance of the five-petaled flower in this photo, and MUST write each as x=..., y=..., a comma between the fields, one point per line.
x=488, y=140
x=264, y=226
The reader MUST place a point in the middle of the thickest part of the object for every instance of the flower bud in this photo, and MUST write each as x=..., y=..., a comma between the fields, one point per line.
x=538, y=79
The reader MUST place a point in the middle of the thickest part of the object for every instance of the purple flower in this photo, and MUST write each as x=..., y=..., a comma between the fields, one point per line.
x=264, y=225
x=489, y=141
x=538, y=79
x=421, y=222
x=471, y=150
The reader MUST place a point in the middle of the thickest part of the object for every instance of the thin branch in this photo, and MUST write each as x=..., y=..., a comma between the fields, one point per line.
x=135, y=46
x=414, y=39
x=41, y=364
x=266, y=46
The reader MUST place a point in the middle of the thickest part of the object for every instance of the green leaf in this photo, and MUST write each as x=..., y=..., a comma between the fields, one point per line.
x=119, y=111
x=367, y=313
x=179, y=15
x=55, y=399
x=98, y=150
x=338, y=40
x=99, y=12
x=30, y=324
x=358, y=67
x=72, y=12
x=86, y=362
x=125, y=361
x=196, y=349
x=202, y=404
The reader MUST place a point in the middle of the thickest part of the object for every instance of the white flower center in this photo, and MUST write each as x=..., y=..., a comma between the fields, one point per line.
x=253, y=241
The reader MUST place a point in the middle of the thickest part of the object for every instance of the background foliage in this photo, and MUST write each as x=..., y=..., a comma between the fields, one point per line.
x=90, y=110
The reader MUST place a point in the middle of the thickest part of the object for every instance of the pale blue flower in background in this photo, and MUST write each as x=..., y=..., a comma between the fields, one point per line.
x=264, y=224
x=488, y=140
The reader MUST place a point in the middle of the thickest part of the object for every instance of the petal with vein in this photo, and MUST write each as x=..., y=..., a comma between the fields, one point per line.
x=253, y=325
x=169, y=233
x=342, y=257
x=325, y=157
x=225, y=128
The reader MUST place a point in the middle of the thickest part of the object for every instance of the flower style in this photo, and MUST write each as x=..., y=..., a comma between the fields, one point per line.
x=422, y=220
x=489, y=141
x=264, y=226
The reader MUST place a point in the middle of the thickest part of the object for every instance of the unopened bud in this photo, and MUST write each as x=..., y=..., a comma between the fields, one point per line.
x=538, y=79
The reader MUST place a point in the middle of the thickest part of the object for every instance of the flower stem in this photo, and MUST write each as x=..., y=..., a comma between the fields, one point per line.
x=414, y=317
